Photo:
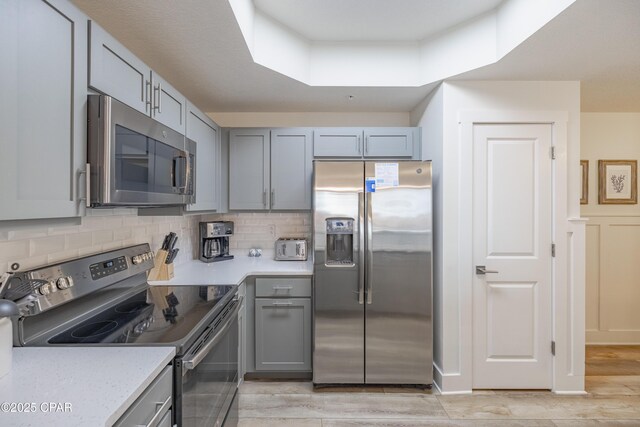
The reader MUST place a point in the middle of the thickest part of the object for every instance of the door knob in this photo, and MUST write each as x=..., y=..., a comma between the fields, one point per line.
x=482, y=270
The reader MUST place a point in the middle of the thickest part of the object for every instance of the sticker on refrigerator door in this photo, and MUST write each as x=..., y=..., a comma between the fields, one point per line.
x=370, y=185
x=387, y=175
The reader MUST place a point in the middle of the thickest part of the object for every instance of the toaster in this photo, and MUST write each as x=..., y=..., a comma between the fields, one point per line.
x=291, y=249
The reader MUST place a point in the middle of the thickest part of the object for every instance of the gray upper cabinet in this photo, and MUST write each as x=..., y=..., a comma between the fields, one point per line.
x=270, y=169
x=206, y=135
x=249, y=169
x=169, y=105
x=117, y=72
x=291, y=168
x=337, y=142
x=374, y=142
x=283, y=334
x=388, y=142
x=43, y=87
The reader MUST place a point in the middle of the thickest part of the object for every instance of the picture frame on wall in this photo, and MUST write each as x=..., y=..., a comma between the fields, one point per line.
x=584, y=197
x=617, y=182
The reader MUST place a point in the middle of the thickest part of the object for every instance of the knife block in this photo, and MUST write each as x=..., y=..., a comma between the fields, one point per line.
x=161, y=270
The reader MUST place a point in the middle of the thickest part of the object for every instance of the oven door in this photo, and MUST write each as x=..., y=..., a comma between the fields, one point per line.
x=207, y=376
x=135, y=160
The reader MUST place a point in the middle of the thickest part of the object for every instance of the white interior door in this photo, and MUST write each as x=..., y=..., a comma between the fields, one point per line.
x=512, y=220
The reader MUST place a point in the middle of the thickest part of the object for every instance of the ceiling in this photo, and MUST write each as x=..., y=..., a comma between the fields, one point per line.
x=201, y=50
x=372, y=20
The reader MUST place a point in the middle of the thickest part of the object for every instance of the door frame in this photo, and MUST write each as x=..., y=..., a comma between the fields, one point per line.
x=567, y=281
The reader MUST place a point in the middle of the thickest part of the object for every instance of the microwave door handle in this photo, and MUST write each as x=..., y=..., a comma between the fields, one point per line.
x=173, y=172
x=187, y=172
x=185, y=167
x=193, y=361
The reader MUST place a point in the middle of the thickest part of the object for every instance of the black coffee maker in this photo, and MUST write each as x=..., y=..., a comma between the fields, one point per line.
x=214, y=240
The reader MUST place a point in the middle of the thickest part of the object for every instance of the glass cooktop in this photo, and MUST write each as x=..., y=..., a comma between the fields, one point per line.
x=168, y=315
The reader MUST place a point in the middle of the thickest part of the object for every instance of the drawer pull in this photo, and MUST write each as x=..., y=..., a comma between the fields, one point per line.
x=282, y=303
x=282, y=288
x=161, y=409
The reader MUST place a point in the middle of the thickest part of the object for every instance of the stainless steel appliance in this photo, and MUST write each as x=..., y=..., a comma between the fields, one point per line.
x=214, y=241
x=291, y=249
x=104, y=300
x=372, y=273
x=135, y=160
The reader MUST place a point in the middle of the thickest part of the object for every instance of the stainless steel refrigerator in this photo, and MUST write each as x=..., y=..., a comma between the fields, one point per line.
x=372, y=273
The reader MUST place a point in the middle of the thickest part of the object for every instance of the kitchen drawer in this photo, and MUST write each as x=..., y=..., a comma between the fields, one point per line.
x=278, y=287
x=150, y=402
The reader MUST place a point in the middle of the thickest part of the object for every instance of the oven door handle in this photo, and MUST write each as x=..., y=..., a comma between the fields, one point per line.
x=193, y=361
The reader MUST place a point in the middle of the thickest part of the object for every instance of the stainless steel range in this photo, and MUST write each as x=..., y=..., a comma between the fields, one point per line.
x=104, y=300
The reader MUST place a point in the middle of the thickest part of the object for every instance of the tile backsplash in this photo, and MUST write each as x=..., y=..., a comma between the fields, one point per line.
x=261, y=230
x=37, y=243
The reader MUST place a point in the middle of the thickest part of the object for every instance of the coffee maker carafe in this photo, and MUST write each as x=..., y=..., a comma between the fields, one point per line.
x=214, y=240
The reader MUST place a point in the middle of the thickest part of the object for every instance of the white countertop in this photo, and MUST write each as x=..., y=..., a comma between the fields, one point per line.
x=98, y=384
x=234, y=271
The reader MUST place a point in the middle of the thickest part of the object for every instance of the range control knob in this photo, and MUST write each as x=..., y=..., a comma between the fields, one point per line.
x=46, y=288
x=137, y=259
x=64, y=282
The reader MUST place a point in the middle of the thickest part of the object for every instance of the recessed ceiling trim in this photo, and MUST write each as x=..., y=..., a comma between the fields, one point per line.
x=473, y=44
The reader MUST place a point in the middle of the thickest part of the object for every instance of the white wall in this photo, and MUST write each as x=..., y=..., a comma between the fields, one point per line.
x=312, y=119
x=613, y=234
x=452, y=286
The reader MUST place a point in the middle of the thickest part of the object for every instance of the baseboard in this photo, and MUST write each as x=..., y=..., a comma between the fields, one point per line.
x=612, y=337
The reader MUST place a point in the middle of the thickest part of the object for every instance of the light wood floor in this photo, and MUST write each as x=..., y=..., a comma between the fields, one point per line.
x=613, y=399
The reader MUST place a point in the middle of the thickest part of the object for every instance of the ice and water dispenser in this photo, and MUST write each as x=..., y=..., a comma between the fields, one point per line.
x=339, y=241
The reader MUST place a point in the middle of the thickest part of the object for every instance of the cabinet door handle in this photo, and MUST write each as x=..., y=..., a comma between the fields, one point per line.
x=87, y=185
x=264, y=197
x=282, y=288
x=157, y=105
x=358, y=145
x=147, y=96
x=273, y=197
x=366, y=145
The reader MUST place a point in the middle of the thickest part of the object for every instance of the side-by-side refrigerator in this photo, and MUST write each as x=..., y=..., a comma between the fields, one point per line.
x=372, y=272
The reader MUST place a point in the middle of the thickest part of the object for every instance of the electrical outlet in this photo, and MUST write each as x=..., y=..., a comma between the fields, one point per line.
x=272, y=230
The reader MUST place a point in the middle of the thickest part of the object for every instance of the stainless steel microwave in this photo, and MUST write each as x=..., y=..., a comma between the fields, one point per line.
x=135, y=160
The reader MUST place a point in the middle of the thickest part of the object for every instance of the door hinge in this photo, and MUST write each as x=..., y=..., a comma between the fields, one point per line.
x=553, y=348
x=553, y=250
x=553, y=153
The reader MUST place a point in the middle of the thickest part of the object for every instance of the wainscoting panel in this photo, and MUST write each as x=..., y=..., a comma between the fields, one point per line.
x=613, y=280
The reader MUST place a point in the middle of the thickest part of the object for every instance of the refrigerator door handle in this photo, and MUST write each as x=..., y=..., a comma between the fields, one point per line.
x=369, y=259
x=361, y=248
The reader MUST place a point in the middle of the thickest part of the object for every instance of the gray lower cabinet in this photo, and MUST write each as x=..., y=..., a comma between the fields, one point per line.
x=374, y=142
x=283, y=334
x=117, y=72
x=270, y=169
x=43, y=87
x=206, y=134
x=154, y=406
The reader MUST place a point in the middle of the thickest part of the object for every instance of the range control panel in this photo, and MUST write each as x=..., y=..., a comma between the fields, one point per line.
x=50, y=286
x=108, y=267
